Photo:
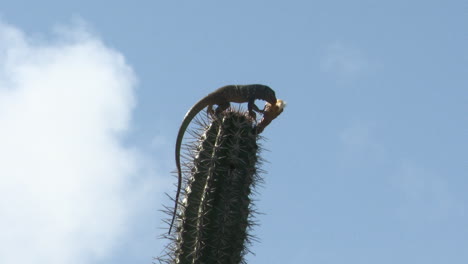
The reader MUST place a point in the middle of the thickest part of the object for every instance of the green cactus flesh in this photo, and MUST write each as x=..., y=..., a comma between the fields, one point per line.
x=216, y=213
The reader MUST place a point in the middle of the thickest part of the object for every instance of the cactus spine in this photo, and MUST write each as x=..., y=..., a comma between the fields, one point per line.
x=216, y=212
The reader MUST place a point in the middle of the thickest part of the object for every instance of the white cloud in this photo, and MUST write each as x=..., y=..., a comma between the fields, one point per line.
x=360, y=144
x=64, y=175
x=425, y=196
x=342, y=61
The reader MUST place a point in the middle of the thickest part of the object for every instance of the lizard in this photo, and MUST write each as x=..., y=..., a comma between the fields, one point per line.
x=222, y=97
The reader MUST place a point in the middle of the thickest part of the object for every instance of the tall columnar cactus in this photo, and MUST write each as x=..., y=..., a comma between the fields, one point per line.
x=215, y=215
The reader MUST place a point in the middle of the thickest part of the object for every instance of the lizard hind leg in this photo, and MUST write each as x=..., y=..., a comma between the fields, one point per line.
x=210, y=111
x=222, y=107
x=215, y=113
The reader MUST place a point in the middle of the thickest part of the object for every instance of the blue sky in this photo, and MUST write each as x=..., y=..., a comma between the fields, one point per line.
x=366, y=165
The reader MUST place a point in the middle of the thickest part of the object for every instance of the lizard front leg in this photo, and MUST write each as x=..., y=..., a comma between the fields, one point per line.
x=251, y=106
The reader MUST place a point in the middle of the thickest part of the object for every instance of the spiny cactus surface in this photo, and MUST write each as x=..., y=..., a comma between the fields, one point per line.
x=216, y=213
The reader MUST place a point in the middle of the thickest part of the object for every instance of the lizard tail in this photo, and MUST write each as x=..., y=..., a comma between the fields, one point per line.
x=188, y=117
x=179, y=182
x=176, y=199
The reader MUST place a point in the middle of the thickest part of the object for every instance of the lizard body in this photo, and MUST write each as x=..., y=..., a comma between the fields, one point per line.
x=221, y=97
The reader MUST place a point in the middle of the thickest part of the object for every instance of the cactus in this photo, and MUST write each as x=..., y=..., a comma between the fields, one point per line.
x=216, y=214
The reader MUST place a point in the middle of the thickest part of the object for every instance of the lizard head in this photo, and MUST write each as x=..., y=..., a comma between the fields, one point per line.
x=272, y=111
x=266, y=93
